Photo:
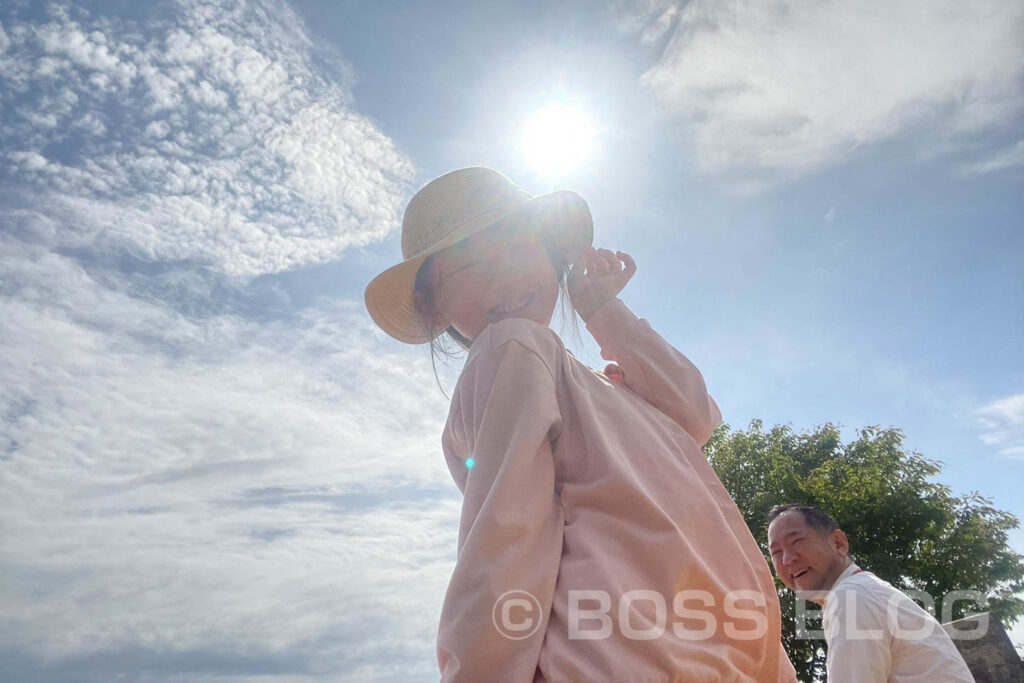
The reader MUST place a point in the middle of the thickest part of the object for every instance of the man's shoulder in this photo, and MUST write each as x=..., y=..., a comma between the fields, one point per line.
x=863, y=589
x=873, y=599
x=868, y=584
x=864, y=581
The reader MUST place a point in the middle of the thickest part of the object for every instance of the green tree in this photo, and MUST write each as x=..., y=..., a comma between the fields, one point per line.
x=902, y=525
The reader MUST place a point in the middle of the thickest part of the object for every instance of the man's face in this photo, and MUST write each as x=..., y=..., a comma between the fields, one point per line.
x=806, y=559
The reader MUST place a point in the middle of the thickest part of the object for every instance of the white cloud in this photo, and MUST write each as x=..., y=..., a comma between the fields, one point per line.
x=271, y=494
x=783, y=87
x=1011, y=156
x=191, y=487
x=206, y=137
x=1002, y=424
x=650, y=19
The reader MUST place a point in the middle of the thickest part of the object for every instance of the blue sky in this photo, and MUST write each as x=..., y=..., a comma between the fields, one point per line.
x=214, y=466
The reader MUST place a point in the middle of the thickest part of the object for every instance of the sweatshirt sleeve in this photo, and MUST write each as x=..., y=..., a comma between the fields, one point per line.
x=654, y=369
x=505, y=416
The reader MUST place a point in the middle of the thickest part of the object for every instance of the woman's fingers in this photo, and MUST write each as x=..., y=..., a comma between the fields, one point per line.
x=598, y=262
x=628, y=262
x=607, y=260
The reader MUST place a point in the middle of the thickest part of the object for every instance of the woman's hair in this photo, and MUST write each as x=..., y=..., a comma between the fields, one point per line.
x=425, y=305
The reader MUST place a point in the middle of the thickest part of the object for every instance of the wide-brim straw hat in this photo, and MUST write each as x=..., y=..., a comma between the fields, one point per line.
x=450, y=209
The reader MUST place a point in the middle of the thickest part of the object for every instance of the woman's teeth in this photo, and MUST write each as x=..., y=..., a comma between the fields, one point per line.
x=502, y=310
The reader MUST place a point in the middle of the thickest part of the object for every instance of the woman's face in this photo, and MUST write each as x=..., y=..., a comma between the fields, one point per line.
x=502, y=272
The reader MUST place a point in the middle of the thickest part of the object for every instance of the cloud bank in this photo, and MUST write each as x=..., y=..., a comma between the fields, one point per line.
x=210, y=496
x=209, y=134
x=194, y=486
x=781, y=88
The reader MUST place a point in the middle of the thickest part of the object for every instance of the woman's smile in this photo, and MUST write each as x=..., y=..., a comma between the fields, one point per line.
x=501, y=311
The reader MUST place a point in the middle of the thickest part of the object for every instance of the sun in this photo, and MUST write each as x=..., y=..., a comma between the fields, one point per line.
x=557, y=140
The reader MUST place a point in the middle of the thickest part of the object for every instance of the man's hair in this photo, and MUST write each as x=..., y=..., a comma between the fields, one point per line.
x=813, y=515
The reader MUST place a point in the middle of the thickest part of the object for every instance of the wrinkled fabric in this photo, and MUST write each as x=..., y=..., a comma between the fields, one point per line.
x=596, y=543
x=876, y=634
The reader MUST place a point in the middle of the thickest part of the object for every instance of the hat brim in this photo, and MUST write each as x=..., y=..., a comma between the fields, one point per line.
x=389, y=296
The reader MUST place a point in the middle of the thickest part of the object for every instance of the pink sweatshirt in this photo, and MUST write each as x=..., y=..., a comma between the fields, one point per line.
x=596, y=542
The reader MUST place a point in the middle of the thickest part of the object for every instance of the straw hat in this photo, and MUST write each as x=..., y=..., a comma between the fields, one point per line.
x=450, y=209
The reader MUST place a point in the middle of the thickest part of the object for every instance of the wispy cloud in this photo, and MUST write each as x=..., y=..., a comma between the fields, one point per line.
x=651, y=20
x=1002, y=424
x=191, y=484
x=208, y=134
x=1011, y=156
x=269, y=494
x=780, y=88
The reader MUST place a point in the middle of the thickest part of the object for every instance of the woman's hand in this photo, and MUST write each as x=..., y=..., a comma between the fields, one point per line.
x=597, y=278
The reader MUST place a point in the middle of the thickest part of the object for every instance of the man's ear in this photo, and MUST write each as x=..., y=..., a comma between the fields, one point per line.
x=839, y=541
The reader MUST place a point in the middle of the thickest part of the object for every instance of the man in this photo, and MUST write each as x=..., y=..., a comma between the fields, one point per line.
x=874, y=632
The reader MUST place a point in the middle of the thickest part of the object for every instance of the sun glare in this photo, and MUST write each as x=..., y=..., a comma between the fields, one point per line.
x=557, y=140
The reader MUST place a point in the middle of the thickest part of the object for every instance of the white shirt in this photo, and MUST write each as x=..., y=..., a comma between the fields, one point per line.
x=876, y=633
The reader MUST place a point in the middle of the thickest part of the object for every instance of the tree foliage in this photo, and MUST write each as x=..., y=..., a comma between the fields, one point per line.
x=902, y=525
